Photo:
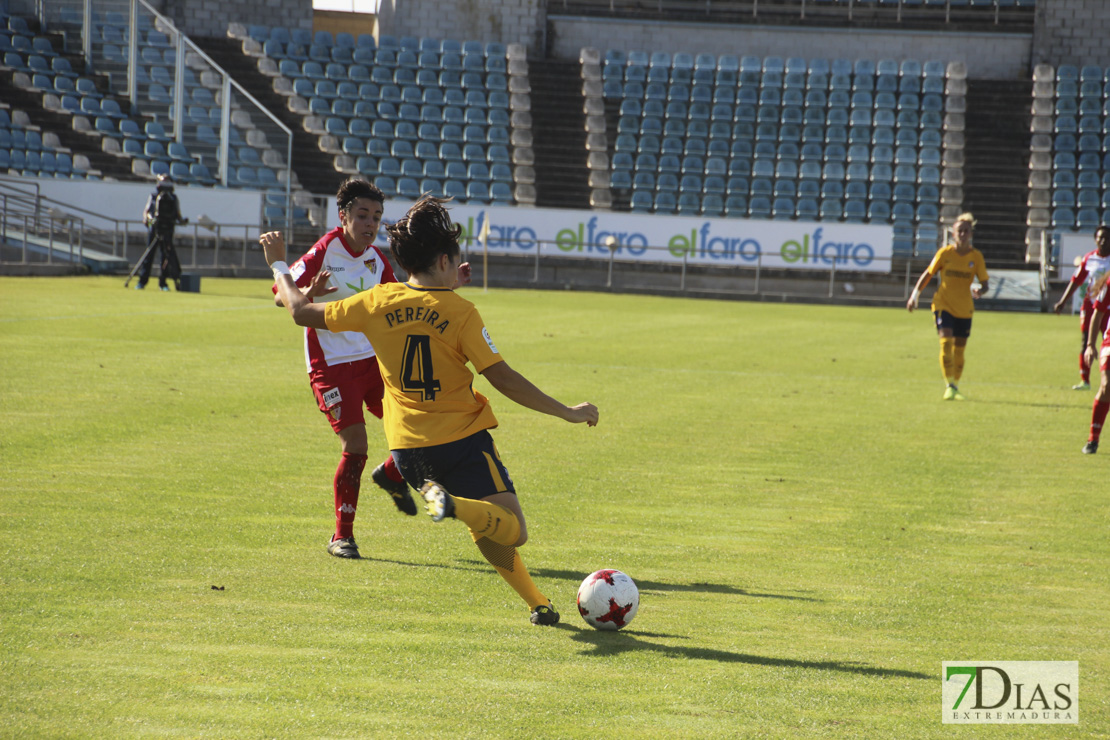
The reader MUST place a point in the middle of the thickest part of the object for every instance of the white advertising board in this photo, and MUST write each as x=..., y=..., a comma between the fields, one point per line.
x=125, y=201
x=668, y=239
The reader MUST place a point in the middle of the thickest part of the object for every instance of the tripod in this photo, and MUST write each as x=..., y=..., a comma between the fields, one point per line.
x=170, y=266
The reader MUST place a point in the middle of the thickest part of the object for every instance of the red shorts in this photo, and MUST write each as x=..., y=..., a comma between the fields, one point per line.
x=341, y=390
x=1085, y=315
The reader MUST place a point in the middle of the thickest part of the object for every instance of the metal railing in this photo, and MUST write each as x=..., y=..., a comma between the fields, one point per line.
x=657, y=271
x=36, y=230
x=168, y=78
x=896, y=12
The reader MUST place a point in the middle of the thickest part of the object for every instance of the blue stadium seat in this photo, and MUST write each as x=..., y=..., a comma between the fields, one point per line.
x=760, y=207
x=736, y=206
x=641, y=201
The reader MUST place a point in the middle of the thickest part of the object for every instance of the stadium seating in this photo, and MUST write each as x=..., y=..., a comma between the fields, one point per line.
x=793, y=136
x=458, y=93
x=1069, y=179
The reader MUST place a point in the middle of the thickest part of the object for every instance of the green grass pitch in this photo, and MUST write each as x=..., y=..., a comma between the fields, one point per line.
x=812, y=529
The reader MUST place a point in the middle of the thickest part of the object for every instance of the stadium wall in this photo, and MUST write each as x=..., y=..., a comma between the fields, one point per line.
x=987, y=55
x=1072, y=32
x=211, y=17
x=506, y=21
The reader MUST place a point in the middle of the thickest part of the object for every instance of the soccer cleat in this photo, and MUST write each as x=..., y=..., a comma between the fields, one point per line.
x=343, y=548
x=1084, y=386
x=957, y=396
x=140, y=286
x=1090, y=448
x=164, y=288
x=950, y=393
x=545, y=615
x=402, y=499
x=437, y=502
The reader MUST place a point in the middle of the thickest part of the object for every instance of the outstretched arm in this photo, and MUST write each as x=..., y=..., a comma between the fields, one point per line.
x=518, y=388
x=1059, y=305
x=318, y=287
x=301, y=308
x=922, y=281
x=1094, y=339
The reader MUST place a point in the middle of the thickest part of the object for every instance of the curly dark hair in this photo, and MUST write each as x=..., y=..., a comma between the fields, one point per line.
x=356, y=187
x=418, y=238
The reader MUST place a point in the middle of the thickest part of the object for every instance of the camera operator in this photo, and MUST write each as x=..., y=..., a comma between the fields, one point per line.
x=161, y=215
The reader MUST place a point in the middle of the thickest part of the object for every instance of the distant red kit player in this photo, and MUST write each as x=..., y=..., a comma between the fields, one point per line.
x=1092, y=267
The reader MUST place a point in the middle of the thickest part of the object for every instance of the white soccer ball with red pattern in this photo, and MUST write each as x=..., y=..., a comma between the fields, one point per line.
x=608, y=599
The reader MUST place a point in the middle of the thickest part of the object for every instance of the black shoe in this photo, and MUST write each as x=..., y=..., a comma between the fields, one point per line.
x=438, y=502
x=344, y=548
x=402, y=499
x=1090, y=448
x=545, y=615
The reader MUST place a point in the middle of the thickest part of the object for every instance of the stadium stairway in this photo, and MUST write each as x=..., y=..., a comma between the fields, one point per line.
x=314, y=168
x=621, y=197
x=559, y=125
x=997, y=166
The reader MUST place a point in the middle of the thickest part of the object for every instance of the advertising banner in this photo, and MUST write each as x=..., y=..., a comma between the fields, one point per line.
x=707, y=242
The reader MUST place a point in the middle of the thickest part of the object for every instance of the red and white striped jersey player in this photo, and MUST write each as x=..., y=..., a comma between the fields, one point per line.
x=1098, y=347
x=342, y=366
x=1092, y=267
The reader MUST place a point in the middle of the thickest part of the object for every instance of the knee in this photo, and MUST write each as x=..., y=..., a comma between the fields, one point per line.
x=353, y=443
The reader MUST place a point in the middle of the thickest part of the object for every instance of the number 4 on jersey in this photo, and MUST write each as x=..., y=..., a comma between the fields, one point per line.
x=417, y=375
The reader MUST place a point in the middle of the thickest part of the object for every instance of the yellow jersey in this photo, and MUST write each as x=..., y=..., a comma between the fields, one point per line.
x=424, y=338
x=956, y=274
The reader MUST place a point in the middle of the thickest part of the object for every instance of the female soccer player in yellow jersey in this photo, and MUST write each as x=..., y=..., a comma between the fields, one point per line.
x=959, y=264
x=435, y=422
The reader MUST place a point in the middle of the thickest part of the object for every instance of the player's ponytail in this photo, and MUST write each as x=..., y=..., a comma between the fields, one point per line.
x=1099, y=284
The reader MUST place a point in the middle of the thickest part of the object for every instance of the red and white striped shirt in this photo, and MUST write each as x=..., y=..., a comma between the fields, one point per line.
x=351, y=274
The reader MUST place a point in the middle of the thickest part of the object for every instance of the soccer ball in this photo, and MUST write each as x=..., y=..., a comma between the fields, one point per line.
x=608, y=599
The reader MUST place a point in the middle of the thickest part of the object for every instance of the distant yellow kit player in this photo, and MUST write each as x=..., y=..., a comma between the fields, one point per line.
x=959, y=264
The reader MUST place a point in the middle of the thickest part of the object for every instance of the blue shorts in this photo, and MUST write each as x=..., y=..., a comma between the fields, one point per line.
x=467, y=468
x=960, y=327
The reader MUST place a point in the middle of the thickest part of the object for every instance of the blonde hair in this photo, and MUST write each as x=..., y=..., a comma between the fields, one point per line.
x=966, y=217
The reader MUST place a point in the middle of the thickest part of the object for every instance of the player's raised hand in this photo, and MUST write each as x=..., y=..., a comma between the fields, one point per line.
x=273, y=246
x=464, y=274
x=583, y=412
x=319, y=285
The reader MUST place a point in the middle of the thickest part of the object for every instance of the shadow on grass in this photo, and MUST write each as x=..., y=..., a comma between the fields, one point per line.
x=658, y=586
x=615, y=643
x=574, y=576
x=1030, y=404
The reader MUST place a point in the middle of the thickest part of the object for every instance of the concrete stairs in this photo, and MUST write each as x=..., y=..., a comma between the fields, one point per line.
x=559, y=128
x=996, y=169
x=315, y=169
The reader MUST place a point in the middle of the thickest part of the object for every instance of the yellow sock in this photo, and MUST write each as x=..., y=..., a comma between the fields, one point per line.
x=958, y=361
x=506, y=561
x=488, y=520
x=947, y=361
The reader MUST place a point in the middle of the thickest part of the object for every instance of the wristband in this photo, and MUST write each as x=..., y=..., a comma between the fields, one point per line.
x=279, y=268
x=914, y=296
